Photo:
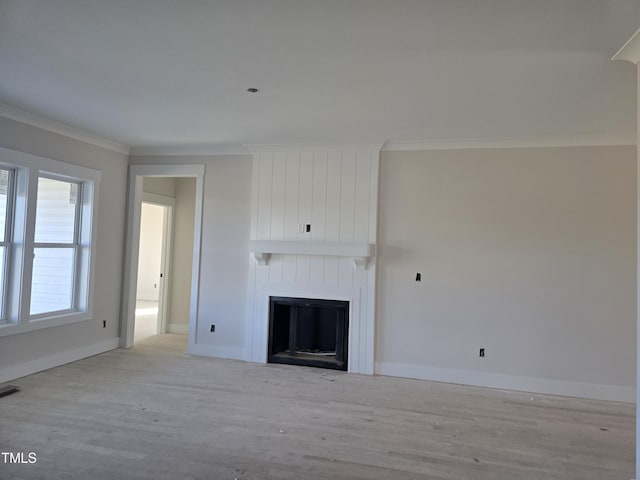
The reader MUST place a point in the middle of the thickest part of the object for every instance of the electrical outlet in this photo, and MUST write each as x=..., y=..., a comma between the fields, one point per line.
x=104, y=324
x=213, y=328
x=308, y=227
x=418, y=277
x=482, y=352
x=301, y=228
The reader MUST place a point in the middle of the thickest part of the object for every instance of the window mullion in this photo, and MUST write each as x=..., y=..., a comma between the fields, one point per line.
x=9, y=227
x=77, y=270
x=11, y=192
x=54, y=245
x=24, y=233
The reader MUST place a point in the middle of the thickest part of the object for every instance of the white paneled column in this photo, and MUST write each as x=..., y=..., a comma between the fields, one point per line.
x=333, y=190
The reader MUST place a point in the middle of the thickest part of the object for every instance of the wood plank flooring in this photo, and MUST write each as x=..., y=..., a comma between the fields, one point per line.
x=155, y=412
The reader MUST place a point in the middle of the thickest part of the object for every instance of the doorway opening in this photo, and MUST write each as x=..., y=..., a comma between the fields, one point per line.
x=165, y=215
x=154, y=264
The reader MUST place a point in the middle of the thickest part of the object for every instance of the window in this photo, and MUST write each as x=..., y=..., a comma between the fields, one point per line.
x=56, y=246
x=46, y=237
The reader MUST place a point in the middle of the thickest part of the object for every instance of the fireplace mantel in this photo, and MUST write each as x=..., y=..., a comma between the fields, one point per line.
x=359, y=252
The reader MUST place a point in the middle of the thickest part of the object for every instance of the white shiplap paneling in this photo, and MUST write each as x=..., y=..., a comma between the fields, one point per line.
x=335, y=191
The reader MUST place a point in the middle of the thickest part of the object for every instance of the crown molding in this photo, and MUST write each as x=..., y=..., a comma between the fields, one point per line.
x=313, y=147
x=630, y=51
x=247, y=149
x=34, y=120
x=532, y=142
x=190, y=150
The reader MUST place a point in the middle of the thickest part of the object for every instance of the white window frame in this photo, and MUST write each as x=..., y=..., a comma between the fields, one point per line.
x=27, y=170
x=7, y=243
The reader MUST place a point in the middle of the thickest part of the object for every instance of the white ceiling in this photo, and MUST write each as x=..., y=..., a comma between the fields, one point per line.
x=172, y=73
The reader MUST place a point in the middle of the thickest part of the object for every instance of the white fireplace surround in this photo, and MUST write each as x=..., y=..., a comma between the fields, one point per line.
x=360, y=355
x=334, y=191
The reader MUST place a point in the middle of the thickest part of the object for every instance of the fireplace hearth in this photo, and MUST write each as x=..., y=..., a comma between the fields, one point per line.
x=309, y=332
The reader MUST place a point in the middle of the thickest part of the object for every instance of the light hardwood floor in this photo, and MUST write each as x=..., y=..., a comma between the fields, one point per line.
x=155, y=412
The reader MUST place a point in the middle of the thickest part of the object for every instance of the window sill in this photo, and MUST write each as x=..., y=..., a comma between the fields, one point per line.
x=54, y=320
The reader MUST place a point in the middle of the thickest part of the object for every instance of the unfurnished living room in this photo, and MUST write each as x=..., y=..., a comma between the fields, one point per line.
x=319, y=239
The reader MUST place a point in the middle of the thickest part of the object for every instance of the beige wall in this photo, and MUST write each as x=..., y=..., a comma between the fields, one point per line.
x=528, y=253
x=182, y=251
x=224, y=261
x=165, y=186
x=28, y=348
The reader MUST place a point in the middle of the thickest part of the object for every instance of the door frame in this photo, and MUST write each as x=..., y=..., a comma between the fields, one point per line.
x=132, y=244
x=166, y=255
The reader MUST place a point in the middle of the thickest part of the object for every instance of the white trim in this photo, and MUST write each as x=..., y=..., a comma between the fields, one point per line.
x=131, y=257
x=312, y=147
x=596, y=139
x=204, y=350
x=531, y=142
x=130, y=274
x=263, y=249
x=630, y=51
x=340, y=249
x=48, y=165
x=190, y=150
x=13, y=372
x=46, y=320
x=179, y=328
x=508, y=382
x=22, y=116
x=638, y=280
x=166, y=259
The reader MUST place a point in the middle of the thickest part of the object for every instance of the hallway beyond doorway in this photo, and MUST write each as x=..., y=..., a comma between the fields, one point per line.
x=146, y=320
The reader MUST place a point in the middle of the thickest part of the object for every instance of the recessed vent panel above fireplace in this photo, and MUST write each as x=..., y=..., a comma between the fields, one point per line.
x=310, y=332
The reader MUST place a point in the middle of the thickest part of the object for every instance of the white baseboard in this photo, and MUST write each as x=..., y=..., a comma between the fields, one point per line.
x=509, y=382
x=232, y=353
x=180, y=328
x=38, y=365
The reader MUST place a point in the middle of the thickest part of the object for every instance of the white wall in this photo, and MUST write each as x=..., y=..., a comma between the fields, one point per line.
x=43, y=348
x=182, y=254
x=529, y=253
x=150, y=256
x=334, y=190
x=224, y=262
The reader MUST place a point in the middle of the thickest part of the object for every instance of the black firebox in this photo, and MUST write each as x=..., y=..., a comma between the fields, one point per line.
x=308, y=331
